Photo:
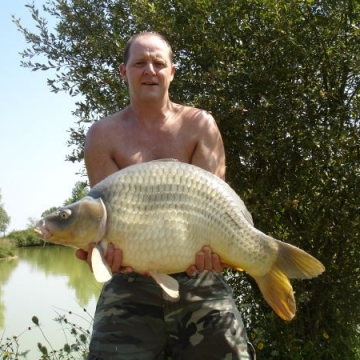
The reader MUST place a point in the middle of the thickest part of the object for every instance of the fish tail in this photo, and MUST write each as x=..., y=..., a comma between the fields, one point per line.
x=278, y=293
x=296, y=263
x=275, y=286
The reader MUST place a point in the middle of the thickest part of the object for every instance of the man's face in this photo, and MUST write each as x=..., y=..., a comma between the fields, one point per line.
x=149, y=70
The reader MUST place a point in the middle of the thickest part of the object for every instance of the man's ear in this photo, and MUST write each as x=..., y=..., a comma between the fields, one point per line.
x=172, y=72
x=122, y=70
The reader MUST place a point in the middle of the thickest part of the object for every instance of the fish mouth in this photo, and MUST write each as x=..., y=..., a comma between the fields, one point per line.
x=42, y=230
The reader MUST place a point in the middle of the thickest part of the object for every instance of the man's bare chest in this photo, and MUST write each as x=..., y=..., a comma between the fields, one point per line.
x=137, y=148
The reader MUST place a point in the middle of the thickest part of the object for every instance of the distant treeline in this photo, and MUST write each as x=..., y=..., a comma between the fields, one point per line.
x=17, y=239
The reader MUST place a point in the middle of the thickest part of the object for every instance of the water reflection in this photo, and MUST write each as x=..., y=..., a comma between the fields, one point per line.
x=40, y=282
x=6, y=268
x=59, y=260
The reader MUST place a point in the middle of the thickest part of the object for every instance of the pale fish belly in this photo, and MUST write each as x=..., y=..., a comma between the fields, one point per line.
x=161, y=216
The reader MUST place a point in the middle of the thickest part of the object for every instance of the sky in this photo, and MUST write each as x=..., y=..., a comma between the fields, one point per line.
x=34, y=124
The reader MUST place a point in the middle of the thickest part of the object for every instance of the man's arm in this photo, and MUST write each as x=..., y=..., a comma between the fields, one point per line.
x=209, y=154
x=98, y=153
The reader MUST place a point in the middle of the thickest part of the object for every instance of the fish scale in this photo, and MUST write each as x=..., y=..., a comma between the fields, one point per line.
x=208, y=196
x=161, y=213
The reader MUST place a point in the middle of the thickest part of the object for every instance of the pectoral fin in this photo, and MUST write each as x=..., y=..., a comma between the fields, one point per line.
x=168, y=284
x=101, y=269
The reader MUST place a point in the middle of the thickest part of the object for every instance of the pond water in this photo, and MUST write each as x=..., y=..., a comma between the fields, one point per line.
x=46, y=282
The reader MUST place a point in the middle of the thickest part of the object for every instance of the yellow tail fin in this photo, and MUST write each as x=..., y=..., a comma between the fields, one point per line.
x=278, y=293
x=275, y=286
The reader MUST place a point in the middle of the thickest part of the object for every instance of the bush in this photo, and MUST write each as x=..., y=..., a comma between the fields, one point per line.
x=24, y=238
x=7, y=248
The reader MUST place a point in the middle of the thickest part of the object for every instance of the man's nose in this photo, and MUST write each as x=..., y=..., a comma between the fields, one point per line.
x=149, y=69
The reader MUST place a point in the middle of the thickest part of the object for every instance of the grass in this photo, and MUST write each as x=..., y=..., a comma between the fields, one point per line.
x=76, y=340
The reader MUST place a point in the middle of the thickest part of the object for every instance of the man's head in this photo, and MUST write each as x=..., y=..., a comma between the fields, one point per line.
x=144, y=34
x=148, y=68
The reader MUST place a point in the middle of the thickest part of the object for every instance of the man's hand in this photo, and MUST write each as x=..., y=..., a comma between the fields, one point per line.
x=113, y=257
x=205, y=260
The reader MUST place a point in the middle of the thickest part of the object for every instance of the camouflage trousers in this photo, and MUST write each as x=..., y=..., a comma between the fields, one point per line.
x=133, y=321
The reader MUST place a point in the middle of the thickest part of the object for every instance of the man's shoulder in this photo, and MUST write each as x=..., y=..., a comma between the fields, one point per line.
x=193, y=110
x=103, y=128
x=201, y=123
x=113, y=118
x=108, y=121
x=193, y=113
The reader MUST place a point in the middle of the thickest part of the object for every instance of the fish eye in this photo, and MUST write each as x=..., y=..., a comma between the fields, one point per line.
x=65, y=214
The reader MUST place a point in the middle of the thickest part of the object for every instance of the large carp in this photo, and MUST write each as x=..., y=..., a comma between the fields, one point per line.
x=162, y=212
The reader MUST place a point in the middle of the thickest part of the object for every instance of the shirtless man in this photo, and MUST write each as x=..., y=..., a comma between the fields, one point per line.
x=133, y=320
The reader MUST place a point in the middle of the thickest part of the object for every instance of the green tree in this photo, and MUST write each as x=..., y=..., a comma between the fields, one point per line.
x=282, y=79
x=80, y=190
x=4, y=217
x=49, y=211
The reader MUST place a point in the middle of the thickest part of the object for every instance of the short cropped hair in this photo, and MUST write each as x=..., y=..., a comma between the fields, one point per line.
x=147, y=33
